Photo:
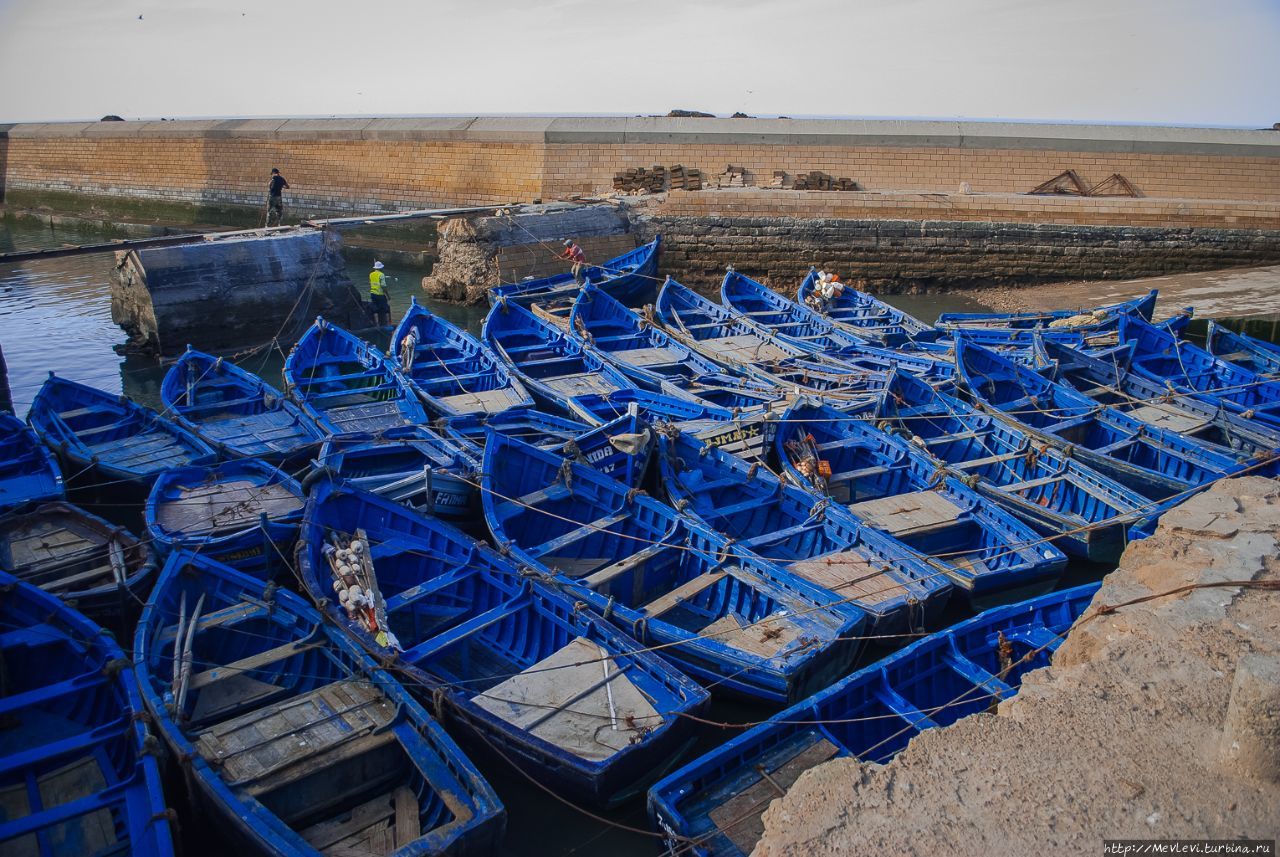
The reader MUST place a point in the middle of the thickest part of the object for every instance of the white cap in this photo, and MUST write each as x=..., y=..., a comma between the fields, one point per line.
x=377, y=266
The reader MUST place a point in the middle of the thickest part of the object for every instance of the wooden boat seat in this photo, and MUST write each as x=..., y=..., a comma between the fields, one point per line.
x=861, y=473
x=249, y=664
x=571, y=698
x=780, y=535
x=407, y=597
x=549, y=548
x=609, y=573
x=910, y=514
x=460, y=632
x=266, y=749
x=221, y=404
x=339, y=379
x=902, y=707
x=684, y=592
x=232, y=615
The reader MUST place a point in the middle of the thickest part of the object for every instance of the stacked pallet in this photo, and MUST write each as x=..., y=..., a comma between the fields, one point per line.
x=732, y=177
x=818, y=180
x=781, y=180
x=683, y=178
x=640, y=180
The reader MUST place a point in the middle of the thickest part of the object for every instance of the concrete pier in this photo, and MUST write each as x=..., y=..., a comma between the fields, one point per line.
x=222, y=293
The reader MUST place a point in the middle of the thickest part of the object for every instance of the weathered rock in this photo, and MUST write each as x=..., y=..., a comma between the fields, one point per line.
x=223, y=293
x=1132, y=733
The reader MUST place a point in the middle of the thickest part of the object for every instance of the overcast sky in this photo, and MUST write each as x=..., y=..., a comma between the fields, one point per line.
x=1187, y=62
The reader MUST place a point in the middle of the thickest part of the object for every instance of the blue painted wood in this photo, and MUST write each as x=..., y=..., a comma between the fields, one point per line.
x=626, y=278
x=235, y=411
x=870, y=715
x=28, y=471
x=986, y=551
x=346, y=385
x=452, y=371
x=664, y=578
x=1188, y=368
x=1156, y=463
x=813, y=539
x=104, y=438
x=865, y=315
x=218, y=511
x=256, y=650
x=1085, y=513
x=1107, y=317
x=1256, y=355
x=74, y=735
x=412, y=465
x=436, y=581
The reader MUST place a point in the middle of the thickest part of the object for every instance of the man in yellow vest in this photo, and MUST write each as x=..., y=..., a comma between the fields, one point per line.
x=378, y=296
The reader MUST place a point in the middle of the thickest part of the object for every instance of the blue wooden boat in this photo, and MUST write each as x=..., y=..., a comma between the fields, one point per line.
x=865, y=315
x=1101, y=318
x=654, y=359
x=627, y=278
x=1157, y=463
x=99, y=568
x=411, y=465
x=899, y=590
x=242, y=513
x=1188, y=368
x=894, y=487
x=738, y=343
x=550, y=364
x=1256, y=355
x=518, y=665
x=1109, y=382
x=785, y=318
x=871, y=715
x=452, y=371
x=109, y=439
x=719, y=613
x=1085, y=513
x=76, y=773
x=289, y=735
x=235, y=411
x=747, y=434
x=527, y=424
x=346, y=384
x=28, y=471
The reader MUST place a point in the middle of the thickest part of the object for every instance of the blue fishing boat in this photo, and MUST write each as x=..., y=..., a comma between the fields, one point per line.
x=897, y=588
x=78, y=774
x=242, y=513
x=1094, y=318
x=235, y=411
x=738, y=343
x=520, y=667
x=99, y=568
x=527, y=424
x=1109, y=382
x=411, y=465
x=866, y=315
x=1157, y=463
x=1084, y=513
x=452, y=371
x=550, y=364
x=717, y=800
x=28, y=471
x=627, y=278
x=1188, y=368
x=347, y=385
x=744, y=433
x=654, y=359
x=785, y=318
x=719, y=613
x=893, y=487
x=109, y=439
x=289, y=735
x=1256, y=355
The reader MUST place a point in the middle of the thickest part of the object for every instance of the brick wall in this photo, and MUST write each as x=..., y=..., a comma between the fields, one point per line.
x=386, y=164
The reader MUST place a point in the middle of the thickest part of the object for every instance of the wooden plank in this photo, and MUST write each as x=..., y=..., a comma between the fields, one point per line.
x=684, y=592
x=253, y=662
x=1168, y=417
x=328, y=833
x=740, y=817
x=908, y=514
x=765, y=639
x=849, y=576
x=408, y=819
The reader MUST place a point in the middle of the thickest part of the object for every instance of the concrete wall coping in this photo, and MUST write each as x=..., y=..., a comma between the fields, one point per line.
x=841, y=133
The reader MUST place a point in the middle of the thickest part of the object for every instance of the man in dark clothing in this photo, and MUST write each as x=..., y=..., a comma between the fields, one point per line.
x=275, y=198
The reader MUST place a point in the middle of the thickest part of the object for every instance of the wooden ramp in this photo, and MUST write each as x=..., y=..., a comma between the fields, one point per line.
x=225, y=506
x=577, y=699
x=908, y=514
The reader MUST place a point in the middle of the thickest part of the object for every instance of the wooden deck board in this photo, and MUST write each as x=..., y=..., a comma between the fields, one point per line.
x=905, y=514
x=225, y=506
x=849, y=576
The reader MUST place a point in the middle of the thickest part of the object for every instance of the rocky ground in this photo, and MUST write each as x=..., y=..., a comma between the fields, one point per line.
x=1159, y=720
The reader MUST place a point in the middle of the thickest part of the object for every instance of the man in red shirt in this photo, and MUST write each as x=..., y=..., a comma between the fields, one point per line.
x=574, y=254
